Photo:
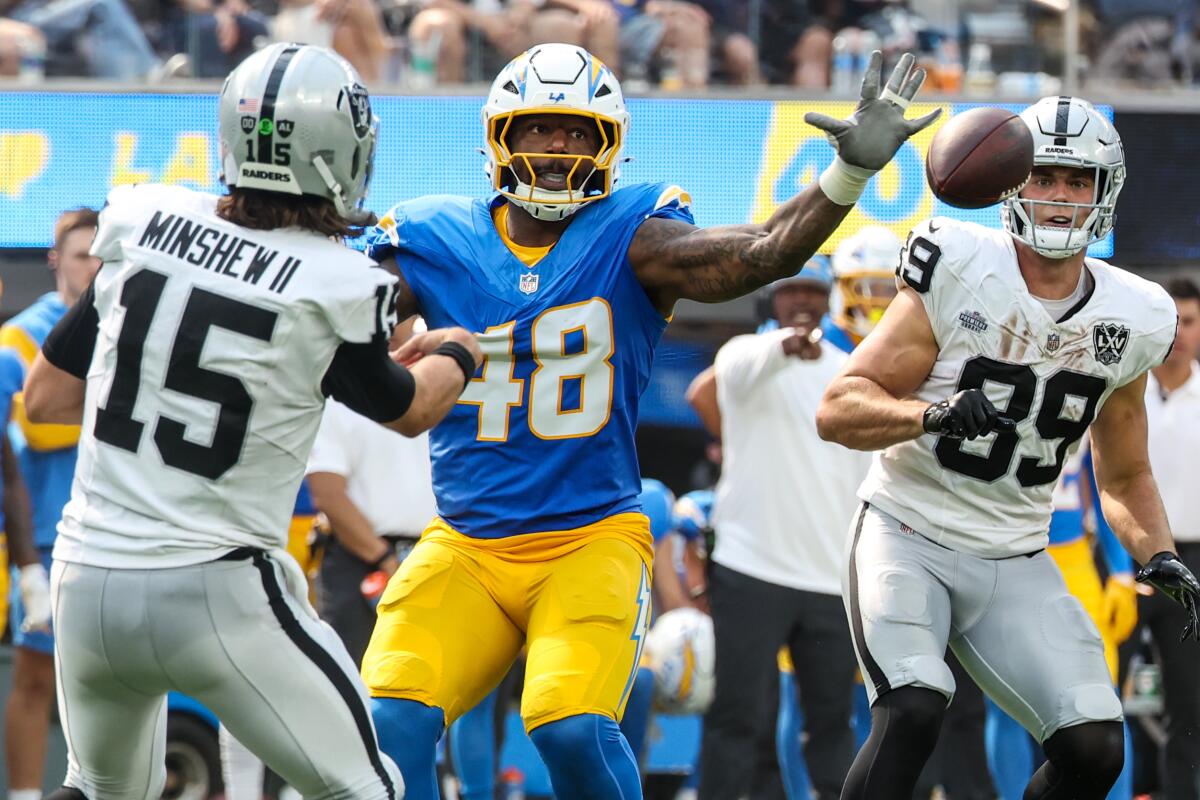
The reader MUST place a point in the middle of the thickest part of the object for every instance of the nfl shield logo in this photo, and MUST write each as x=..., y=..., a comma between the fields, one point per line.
x=1053, y=341
x=529, y=283
x=1109, y=340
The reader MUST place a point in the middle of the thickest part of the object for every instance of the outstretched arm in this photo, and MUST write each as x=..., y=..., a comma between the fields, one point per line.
x=675, y=260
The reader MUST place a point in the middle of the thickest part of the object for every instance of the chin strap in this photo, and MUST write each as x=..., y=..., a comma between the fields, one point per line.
x=359, y=217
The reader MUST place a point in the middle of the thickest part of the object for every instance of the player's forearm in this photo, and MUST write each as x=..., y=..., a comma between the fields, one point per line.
x=18, y=514
x=667, y=586
x=439, y=382
x=711, y=265
x=1135, y=511
x=351, y=527
x=52, y=395
x=860, y=414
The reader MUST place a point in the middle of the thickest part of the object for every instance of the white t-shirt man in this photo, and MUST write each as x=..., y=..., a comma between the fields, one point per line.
x=785, y=498
x=387, y=475
x=1173, y=437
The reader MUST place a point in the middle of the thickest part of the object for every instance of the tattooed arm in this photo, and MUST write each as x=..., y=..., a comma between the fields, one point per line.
x=675, y=260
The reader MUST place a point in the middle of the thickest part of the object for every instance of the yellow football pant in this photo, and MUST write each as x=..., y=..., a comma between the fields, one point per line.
x=1078, y=569
x=454, y=617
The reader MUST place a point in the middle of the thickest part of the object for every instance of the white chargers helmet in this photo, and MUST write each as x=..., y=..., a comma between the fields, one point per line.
x=555, y=79
x=296, y=119
x=864, y=279
x=1070, y=132
x=682, y=650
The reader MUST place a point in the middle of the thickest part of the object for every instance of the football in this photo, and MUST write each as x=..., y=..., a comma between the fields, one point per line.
x=681, y=650
x=979, y=158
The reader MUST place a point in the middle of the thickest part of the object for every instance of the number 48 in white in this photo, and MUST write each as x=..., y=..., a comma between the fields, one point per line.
x=497, y=391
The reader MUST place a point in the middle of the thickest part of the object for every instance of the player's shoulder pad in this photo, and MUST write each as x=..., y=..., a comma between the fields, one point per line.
x=1150, y=305
x=407, y=221
x=940, y=245
x=673, y=196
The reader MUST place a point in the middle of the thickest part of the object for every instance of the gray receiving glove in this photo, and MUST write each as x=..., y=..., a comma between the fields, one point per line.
x=866, y=142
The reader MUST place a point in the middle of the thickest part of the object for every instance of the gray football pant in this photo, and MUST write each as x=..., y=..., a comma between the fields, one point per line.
x=1018, y=632
x=229, y=634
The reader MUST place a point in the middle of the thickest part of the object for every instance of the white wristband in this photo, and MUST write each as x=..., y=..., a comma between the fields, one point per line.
x=843, y=183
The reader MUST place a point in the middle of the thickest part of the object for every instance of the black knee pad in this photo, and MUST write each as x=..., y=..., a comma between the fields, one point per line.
x=1091, y=754
x=913, y=714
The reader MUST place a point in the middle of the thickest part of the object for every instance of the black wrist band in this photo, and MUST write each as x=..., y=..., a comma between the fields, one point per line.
x=466, y=361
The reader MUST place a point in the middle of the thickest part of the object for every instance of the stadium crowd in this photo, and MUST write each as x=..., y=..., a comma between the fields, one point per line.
x=1012, y=46
x=751, y=567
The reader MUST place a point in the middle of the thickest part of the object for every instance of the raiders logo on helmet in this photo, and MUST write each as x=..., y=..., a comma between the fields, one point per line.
x=284, y=127
x=248, y=122
x=358, y=104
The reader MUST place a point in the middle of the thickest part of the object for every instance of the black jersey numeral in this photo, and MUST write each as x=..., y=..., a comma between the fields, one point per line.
x=203, y=311
x=1068, y=406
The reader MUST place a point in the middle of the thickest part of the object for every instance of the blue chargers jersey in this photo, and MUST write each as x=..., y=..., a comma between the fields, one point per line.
x=12, y=376
x=543, y=437
x=48, y=473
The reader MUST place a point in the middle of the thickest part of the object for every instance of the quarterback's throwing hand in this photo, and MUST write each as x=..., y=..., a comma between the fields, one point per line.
x=1171, y=576
x=966, y=415
x=877, y=128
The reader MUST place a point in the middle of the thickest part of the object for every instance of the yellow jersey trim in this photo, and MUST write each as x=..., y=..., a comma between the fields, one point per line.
x=529, y=256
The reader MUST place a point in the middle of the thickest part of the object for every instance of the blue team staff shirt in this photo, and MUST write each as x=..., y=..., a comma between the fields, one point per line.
x=12, y=376
x=539, y=441
x=48, y=473
x=657, y=504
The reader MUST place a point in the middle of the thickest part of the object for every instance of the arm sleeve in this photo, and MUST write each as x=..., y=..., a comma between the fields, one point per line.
x=331, y=449
x=366, y=379
x=70, y=344
x=746, y=360
x=1116, y=559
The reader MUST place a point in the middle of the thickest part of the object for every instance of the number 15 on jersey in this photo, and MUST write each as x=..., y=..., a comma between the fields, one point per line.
x=572, y=347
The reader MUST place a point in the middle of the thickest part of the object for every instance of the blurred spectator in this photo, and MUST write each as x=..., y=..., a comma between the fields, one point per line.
x=210, y=37
x=375, y=488
x=354, y=28
x=439, y=34
x=47, y=462
x=1173, y=421
x=18, y=41
x=672, y=33
x=795, y=39
x=93, y=38
x=782, y=505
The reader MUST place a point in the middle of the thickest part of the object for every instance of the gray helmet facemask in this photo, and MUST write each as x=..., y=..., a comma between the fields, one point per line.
x=296, y=119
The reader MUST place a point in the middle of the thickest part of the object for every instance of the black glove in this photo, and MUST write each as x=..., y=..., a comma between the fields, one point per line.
x=1171, y=576
x=966, y=415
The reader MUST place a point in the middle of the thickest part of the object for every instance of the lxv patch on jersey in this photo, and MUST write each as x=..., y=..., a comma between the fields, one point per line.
x=1110, y=340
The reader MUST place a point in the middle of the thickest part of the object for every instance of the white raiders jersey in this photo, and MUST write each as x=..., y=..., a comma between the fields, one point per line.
x=204, y=389
x=991, y=497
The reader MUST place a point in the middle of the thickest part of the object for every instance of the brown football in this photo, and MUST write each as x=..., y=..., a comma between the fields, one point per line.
x=979, y=158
